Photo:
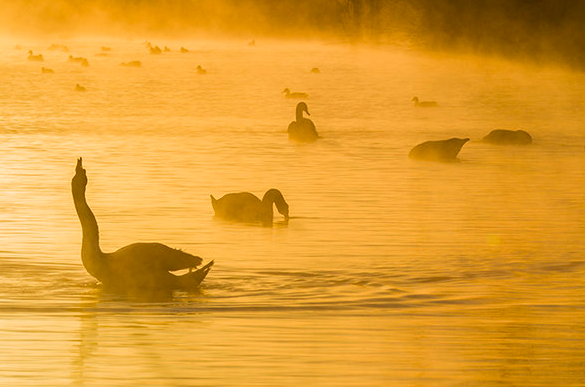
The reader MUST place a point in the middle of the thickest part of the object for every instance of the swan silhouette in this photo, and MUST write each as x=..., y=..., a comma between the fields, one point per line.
x=82, y=61
x=295, y=95
x=508, y=137
x=136, y=266
x=444, y=150
x=418, y=103
x=315, y=70
x=35, y=58
x=247, y=207
x=45, y=70
x=184, y=50
x=201, y=70
x=78, y=87
x=302, y=129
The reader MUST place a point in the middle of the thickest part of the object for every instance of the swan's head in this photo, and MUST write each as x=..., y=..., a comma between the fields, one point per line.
x=302, y=107
x=275, y=196
x=79, y=181
x=286, y=90
x=415, y=99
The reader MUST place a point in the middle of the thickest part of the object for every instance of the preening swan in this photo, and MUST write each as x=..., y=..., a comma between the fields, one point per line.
x=444, y=150
x=136, y=266
x=295, y=95
x=247, y=207
x=418, y=103
x=303, y=129
x=508, y=137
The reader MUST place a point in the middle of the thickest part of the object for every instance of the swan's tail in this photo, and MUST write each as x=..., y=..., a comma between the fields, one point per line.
x=194, y=279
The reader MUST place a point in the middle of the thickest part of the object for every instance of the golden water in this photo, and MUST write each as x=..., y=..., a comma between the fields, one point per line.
x=391, y=272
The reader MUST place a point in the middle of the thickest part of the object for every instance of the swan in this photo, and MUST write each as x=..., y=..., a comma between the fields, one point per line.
x=167, y=49
x=136, y=266
x=508, y=137
x=295, y=95
x=302, y=129
x=45, y=70
x=247, y=207
x=418, y=103
x=82, y=61
x=315, y=70
x=78, y=87
x=444, y=150
x=36, y=58
x=183, y=50
x=201, y=70
x=154, y=50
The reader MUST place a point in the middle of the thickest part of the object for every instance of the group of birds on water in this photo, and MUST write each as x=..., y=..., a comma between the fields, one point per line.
x=151, y=265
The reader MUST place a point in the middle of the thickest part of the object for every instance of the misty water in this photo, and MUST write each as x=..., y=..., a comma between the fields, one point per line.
x=390, y=272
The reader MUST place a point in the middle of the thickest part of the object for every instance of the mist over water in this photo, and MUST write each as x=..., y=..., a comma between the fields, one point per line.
x=391, y=271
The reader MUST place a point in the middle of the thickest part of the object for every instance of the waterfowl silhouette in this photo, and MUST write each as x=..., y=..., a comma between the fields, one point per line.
x=35, y=58
x=58, y=47
x=45, y=70
x=104, y=48
x=82, y=61
x=295, y=95
x=184, y=50
x=247, y=207
x=154, y=50
x=444, y=150
x=315, y=70
x=78, y=87
x=136, y=266
x=251, y=43
x=302, y=129
x=425, y=104
x=201, y=70
x=508, y=137
x=133, y=63
x=166, y=49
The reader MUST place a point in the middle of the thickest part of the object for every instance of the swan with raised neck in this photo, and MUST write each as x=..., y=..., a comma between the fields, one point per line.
x=302, y=129
x=136, y=266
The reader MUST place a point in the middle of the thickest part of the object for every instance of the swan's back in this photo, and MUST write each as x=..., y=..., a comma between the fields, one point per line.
x=508, y=137
x=302, y=131
x=443, y=150
x=242, y=206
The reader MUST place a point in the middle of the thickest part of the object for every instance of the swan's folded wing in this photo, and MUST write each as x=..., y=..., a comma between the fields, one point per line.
x=155, y=256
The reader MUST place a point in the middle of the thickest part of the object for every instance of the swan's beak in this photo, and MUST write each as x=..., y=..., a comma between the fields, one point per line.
x=307, y=111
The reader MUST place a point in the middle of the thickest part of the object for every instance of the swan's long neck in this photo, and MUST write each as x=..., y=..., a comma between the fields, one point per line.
x=274, y=196
x=91, y=254
x=299, y=114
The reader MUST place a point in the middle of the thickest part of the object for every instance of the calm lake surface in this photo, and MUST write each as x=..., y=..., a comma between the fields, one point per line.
x=391, y=272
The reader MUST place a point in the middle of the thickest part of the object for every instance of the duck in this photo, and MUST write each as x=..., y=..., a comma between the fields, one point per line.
x=132, y=63
x=442, y=150
x=315, y=70
x=201, y=70
x=184, y=50
x=295, y=95
x=424, y=104
x=78, y=87
x=247, y=207
x=136, y=266
x=302, y=129
x=45, y=70
x=36, y=58
x=508, y=137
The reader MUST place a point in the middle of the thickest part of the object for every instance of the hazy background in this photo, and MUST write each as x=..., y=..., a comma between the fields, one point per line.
x=539, y=30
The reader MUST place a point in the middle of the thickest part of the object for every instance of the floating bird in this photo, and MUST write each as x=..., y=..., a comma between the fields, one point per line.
x=154, y=50
x=508, y=137
x=251, y=43
x=315, y=70
x=78, y=87
x=295, y=95
x=424, y=104
x=45, y=70
x=82, y=61
x=58, y=47
x=444, y=150
x=201, y=70
x=136, y=266
x=302, y=129
x=247, y=207
x=133, y=63
x=36, y=58
x=104, y=48
x=183, y=50
x=167, y=49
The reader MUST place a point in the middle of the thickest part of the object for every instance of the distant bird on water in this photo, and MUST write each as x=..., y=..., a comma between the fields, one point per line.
x=82, y=61
x=35, y=58
x=444, y=150
x=136, y=266
x=295, y=95
x=184, y=50
x=302, y=129
x=424, y=104
x=45, y=70
x=247, y=207
x=315, y=70
x=251, y=43
x=201, y=70
x=78, y=87
x=508, y=137
x=132, y=63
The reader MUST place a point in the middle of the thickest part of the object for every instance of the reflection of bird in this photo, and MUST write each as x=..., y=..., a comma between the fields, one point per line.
x=315, y=70
x=45, y=70
x=78, y=87
x=136, y=266
x=508, y=137
x=302, y=129
x=36, y=58
x=246, y=207
x=295, y=95
x=201, y=70
x=418, y=103
x=444, y=150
